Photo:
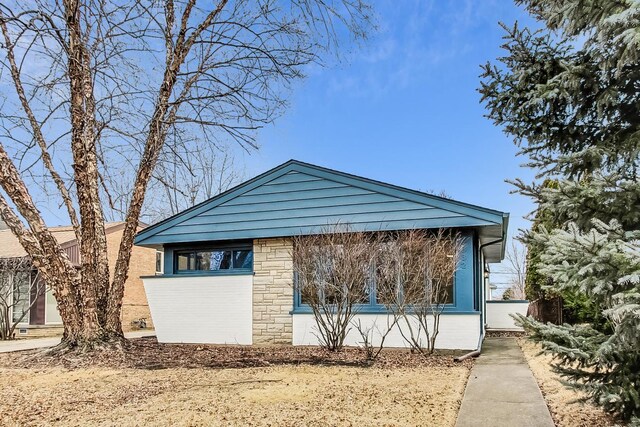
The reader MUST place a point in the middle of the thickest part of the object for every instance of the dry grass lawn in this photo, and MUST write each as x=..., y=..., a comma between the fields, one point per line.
x=560, y=399
x=285, y=395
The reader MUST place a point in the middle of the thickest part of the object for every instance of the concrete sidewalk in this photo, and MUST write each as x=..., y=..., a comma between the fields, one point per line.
x=502, y=390
x=35, y=343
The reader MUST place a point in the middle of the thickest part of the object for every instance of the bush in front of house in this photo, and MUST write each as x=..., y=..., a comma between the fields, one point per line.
x=408, y=275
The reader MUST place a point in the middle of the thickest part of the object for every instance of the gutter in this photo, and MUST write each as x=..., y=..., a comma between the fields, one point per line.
x=474, y=353
x=478, y=350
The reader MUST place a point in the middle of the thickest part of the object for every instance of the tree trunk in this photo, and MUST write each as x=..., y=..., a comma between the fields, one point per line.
x=94, y=271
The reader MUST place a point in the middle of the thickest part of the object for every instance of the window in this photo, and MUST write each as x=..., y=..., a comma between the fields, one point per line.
x=328, y=286
x=21, y=296
x=19, y=282
x=415, y=290
x=440, y=292
x=214, y=260
x=415, y=271
x=446, y=292
x=159, y=262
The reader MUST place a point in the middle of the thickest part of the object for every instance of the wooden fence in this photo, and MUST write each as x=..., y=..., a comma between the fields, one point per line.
x=546, y=310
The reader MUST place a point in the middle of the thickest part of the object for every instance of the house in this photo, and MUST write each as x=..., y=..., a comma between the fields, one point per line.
x=43, y=317
x=228, y=269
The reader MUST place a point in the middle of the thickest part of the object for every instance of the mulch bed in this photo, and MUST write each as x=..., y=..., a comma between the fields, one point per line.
x=147, y=353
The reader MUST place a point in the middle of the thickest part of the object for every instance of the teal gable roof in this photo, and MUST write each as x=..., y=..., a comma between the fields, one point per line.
x=299, y=198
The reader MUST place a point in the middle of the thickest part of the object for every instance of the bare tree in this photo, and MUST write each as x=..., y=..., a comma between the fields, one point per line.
x=109, y=88
x=438, y=193
x=516, y=269
x=414, y=280
x=20, y=286
x=332, y=277
x=182, y=180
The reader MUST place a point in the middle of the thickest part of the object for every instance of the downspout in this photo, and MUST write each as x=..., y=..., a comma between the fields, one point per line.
x=478, y=350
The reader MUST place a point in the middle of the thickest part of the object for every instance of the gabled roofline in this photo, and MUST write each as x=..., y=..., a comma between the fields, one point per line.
x=475, y=211
x=195, y=208
x=395, y=187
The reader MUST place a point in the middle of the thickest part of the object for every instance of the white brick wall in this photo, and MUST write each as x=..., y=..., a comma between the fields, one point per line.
x=457, y=331
x=204, y=309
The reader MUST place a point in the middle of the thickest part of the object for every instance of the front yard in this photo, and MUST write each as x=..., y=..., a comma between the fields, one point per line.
x=563, y=402
x=216, y=385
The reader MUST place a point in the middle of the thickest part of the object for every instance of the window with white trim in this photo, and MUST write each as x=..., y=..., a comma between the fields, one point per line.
x=159, y=262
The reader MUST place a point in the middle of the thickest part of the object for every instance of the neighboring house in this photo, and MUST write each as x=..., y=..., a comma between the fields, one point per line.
x=43, y=318
x=228, y=269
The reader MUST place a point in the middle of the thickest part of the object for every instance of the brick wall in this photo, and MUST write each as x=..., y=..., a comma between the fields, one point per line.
x=39, y=331
x=272, y=291
x=143, y=263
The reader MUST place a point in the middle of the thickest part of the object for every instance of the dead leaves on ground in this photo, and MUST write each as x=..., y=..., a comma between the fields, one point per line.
x=147, y=353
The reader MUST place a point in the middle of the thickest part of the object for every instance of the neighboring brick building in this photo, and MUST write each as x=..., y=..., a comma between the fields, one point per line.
x=43, y=318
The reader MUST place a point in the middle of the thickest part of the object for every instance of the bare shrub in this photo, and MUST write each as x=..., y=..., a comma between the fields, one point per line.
x=331, y=277
x=19, y=287
x=369, y=333
x=411, y=272
x=414, y=279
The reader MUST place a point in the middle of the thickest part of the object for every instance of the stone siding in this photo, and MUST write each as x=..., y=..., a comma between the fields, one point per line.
x=272, y=291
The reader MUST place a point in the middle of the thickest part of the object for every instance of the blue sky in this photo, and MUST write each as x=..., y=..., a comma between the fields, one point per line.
x=405, y=108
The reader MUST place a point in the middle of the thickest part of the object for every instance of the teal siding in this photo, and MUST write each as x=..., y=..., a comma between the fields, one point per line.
x=297, y=198
x=464, y=283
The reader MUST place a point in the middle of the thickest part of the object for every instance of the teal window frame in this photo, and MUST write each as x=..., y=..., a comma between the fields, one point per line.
x=175, y=252
x=464, y=287
x=371, y=307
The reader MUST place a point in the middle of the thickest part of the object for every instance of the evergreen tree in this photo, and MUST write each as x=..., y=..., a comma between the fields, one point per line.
x=576, y=306
x=569, y=95
x=537, y=284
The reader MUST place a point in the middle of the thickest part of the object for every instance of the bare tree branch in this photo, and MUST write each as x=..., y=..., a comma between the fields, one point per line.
x=37, y=130
x=516, y=267
x=332, y=270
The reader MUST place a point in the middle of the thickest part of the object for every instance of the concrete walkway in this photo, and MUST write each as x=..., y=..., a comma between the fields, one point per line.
x=35, y=343
x=502, y=390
